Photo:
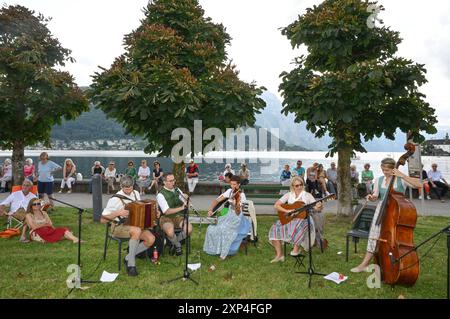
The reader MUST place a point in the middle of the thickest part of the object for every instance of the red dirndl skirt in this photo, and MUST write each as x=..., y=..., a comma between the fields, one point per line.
x=50, y=234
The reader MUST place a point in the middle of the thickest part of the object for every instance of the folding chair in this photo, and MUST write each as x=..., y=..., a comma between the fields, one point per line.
x=360, y=227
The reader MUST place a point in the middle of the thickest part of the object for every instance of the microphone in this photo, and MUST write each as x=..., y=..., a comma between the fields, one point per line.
x=391, y=257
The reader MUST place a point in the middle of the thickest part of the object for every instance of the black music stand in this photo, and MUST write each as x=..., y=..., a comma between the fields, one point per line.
x=310, y=270
x=186, y=274
x=445, y=230
x=78, y=281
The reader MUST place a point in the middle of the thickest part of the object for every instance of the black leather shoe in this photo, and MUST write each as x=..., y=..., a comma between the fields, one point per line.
x=132, y=271
x=178, y=251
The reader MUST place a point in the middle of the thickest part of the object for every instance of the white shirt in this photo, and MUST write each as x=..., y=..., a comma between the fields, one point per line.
x=144, y=171
x=7, y=171
x=435, y=176
x=228, y=171
x=109, y=173
x=162, y=202
x=17, y=200
x=304, y=196
x=114, y=204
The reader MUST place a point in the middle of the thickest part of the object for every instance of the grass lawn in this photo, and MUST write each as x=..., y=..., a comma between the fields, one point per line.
x=35, y=270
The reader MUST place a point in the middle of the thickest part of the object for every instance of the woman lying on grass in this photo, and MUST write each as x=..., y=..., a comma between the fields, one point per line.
x=41, y=226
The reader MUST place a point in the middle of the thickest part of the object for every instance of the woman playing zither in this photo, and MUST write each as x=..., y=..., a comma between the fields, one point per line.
x=380, y=189
x=296, y=231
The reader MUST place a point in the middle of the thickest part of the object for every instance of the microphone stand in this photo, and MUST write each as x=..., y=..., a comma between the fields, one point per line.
x=311, y=270
x=445, y=230
x=186, y=274
x=187, y=200
x=79, y=280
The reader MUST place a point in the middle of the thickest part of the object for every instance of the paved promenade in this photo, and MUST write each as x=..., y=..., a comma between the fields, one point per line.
x=202, y=203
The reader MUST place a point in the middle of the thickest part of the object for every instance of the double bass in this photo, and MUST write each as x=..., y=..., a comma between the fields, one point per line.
x=398, y=218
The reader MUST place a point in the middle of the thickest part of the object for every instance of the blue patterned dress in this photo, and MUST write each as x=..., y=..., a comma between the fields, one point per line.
x=219, y=237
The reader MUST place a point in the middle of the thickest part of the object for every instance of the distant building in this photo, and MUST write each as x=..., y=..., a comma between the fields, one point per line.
x=438, y=147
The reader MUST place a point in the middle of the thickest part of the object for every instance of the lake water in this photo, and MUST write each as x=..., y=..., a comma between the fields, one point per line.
x=264, y=166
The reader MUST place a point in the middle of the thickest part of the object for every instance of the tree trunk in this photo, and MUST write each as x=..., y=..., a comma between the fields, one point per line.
x=344, y=184
x=179, y=171
x=18, y=162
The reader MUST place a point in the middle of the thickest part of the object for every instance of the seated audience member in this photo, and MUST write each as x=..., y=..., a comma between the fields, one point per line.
x=110, y=177
x=192, y=174
x=69, y=171
x=96, y=169
x=6, y=175
x=29, y=170
x=426, y=186
x=244, y=174
x=354, y=179
x=436, y=180
x=332, y=178
x=143, y=180
x=299, y=170
x=322, y=180
x=41, y=226
x=367, y=178
x=312, y=180
x=18, y=204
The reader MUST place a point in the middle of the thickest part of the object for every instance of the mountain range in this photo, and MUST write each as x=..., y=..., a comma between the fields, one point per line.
x=293, y=136
x=297, y=134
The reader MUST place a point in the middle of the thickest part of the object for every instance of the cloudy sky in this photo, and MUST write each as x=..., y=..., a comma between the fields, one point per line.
x=94, y=29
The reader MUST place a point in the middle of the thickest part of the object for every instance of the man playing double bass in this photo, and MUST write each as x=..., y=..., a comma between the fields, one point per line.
x=380, y=189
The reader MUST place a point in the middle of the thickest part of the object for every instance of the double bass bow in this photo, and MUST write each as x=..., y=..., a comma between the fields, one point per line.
x=397, y=219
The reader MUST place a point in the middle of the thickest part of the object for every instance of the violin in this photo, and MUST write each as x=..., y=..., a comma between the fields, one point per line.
x=398, y=218
x=237, y=198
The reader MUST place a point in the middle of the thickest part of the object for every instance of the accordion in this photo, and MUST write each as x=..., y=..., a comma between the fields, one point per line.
x=143, y=214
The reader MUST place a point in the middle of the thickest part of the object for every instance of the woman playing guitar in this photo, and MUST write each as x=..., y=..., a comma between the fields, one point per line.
x=296, y=231
x=380, y=189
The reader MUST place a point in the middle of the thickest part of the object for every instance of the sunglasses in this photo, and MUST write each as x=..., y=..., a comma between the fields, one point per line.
x=298, y=185
x=36, y=204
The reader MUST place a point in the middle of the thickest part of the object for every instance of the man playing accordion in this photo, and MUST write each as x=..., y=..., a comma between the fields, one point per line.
x=114, y=212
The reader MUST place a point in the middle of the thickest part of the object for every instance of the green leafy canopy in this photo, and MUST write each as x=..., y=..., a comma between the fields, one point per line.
x=175, y=70
x=34, y=94
x=350, y=84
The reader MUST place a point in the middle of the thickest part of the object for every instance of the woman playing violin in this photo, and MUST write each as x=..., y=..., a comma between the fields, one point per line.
x=219, y=237
x=296, y=231
x=380, y=189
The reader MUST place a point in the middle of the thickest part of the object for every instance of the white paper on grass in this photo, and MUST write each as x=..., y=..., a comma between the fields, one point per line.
x=336, y=277
x=194, y=267
x=108, y=277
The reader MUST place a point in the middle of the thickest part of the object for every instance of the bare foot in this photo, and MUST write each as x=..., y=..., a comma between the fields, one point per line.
x=360, y=268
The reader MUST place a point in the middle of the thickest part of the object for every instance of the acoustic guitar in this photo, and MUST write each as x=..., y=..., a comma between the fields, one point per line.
x=299, y=209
